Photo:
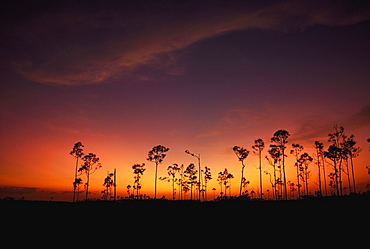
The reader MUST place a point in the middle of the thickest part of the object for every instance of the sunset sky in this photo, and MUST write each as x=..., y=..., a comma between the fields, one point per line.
x=204, y=76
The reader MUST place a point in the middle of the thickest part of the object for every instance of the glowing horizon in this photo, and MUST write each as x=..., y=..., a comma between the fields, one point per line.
x=122, y=77
x=62, y=188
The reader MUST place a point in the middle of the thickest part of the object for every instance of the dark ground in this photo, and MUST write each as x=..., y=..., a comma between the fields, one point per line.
x=226, y=223
x=328, y=205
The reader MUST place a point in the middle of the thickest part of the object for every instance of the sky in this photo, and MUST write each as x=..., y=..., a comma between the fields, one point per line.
x=204, y=76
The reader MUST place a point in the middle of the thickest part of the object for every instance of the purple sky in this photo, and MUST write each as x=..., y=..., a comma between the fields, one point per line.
x=123, y=76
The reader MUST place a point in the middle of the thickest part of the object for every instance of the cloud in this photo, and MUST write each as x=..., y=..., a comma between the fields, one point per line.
x=17, y=190
x=236, y=119
x=359, y=119
x=317, y=127
x=80, y=44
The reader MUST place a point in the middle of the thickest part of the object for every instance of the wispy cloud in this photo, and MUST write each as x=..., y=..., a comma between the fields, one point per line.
x=359, y=119
x=237, y=119
x=76, y=44
x=318, y=127
x=17, y=190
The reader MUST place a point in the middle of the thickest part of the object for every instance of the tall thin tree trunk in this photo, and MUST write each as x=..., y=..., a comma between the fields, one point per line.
x=87, y=185
x=181, y=187
x=298, y=185
x=319, y=173
x=306, y=176
x=241, y=179
x=155, y=181
x=276, y=196
x=260, y=157
x=353, y=174
x=285, y=190
x=205, y=190
x=281, y=185
x=323, y=169
x=336, y=177
x=75, y=184
x=115, y=185
x=348, y=176
x=173, y=188
x=340, y=176
x=200, y=179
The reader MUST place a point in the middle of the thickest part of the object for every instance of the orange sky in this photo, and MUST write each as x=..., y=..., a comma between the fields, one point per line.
x=122, y=77
x=49, y=167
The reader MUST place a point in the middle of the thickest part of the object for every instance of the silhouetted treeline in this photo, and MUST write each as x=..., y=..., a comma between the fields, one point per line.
x=334, y=164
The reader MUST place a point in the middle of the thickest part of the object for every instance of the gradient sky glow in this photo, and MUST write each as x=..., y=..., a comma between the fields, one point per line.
x=123, y=76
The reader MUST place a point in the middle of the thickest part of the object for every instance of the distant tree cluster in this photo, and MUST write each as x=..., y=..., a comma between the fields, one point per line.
x=190, y=182
x=339, y=156
x=90, y=165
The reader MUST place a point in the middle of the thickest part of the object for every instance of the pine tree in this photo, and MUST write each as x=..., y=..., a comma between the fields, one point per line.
x=77, y=152
x=258, y=147
x=280, y=138
x=91, y=164
x=242, y=154
x=156, y=155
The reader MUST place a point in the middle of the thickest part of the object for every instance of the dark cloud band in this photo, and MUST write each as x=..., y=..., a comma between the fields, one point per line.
x=80, y=44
